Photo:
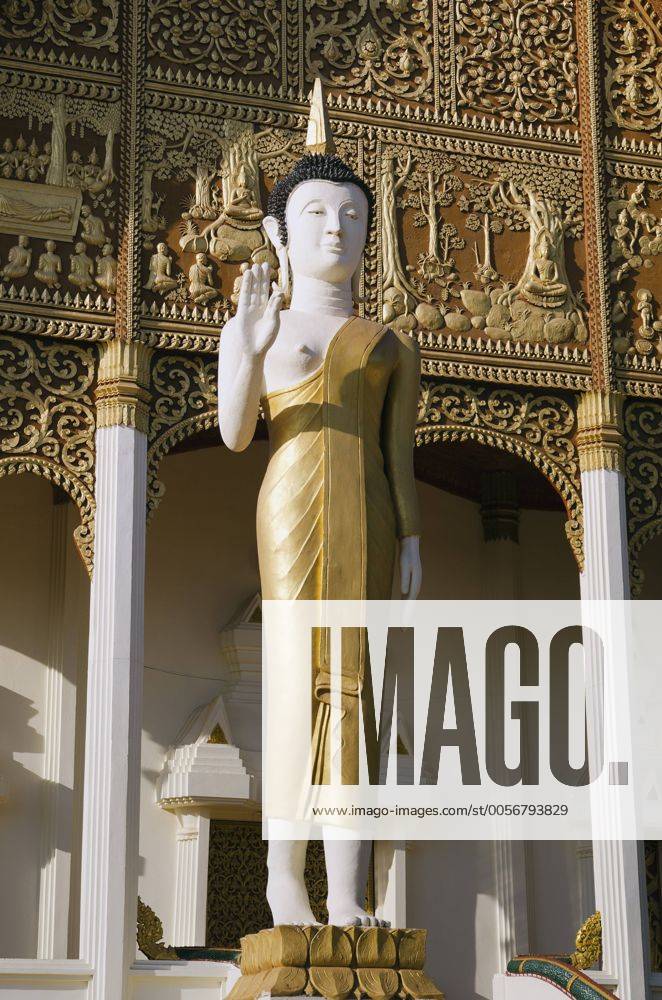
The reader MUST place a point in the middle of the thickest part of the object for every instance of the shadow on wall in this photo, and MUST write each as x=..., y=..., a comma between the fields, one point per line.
x=19, y=839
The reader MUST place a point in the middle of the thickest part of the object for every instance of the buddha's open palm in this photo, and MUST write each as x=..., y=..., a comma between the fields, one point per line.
x=258, y=312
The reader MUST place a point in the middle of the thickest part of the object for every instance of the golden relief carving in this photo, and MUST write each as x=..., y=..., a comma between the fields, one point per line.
x=588, y=943
x=466, y=209
x=517, y=60
x=38, y=209
x=642, y=421
x=232, y=37
x=633, y=50
x=185, y=312
x=227, y=162
x=635, y=229
x=89, y=23
x=381, y=49
x=600, y=431
x=334, y=962
x=61, y=191
x=443, y=254
x=47, y=421
x=122, y=393
x=540, y=428
x=149, y=934
x=65, y=116
x=184, y=401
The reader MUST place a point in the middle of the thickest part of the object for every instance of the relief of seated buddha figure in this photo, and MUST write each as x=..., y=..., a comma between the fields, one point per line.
x=543, y=287
x=242, y=207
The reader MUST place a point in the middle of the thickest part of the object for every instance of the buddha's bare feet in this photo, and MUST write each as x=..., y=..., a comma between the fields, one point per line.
x=347, y=913
x=288, y=899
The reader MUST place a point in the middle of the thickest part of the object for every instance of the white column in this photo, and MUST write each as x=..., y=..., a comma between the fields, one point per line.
x=192, y=865
x=109, y=878
x=620, y=892
x=66, y=585
x=499, y=513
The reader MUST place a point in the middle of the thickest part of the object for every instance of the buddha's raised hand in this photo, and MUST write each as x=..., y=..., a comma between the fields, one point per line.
x=258, y=313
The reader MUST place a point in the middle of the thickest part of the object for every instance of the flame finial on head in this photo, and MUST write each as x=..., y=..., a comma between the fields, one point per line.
x=318, y=137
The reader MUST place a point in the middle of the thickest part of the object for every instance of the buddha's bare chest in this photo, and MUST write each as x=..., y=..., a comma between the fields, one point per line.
x=299, y=349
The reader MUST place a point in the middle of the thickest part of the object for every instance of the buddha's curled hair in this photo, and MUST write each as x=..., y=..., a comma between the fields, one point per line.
x=313, y=167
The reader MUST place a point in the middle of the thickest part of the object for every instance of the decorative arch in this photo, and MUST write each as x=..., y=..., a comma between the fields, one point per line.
x=642, y=425
x=184, y=402
x=539, y=428
x=48, y=420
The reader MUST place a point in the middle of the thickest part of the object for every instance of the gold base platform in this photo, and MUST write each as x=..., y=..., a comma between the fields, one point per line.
x=334, y=962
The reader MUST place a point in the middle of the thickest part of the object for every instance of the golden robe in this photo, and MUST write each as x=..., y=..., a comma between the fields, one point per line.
x=338, y=490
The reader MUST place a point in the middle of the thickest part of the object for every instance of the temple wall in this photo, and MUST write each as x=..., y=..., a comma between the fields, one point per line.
x=35, y=577
x=201, y=567
x=25, y=525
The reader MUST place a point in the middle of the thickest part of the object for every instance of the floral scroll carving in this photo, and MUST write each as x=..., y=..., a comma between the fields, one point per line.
x=47, y=421
x=633, y=50
x=184, y=402
x=372, y=47
x=517, y=60
x=231, y=37
x=538, y=428
x=643, y=480
x=92, y=23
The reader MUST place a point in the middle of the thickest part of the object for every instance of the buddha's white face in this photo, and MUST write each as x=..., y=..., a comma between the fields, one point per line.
x=327, y=224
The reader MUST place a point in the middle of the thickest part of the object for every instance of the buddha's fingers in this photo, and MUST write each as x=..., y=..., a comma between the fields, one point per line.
x=255, y=287
x=245, y=294
x=264, y=286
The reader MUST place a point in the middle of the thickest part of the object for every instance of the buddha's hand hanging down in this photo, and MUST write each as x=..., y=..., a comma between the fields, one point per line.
x=411, y=573
x=244, y=343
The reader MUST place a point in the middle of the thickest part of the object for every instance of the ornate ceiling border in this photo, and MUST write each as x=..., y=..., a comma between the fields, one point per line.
x=538, y=427
x=48, y=421
x=642, y=425
x=184, y=402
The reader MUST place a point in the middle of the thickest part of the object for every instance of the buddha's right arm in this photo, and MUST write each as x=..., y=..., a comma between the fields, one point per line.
x=239, y=388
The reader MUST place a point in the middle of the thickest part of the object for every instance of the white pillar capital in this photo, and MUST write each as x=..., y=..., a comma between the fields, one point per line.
x=600, y=431
x=122, y=392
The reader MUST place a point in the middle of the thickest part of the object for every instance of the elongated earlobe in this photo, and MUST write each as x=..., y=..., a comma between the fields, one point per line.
x=272, y=229
x=284, y=272
x=356, y=284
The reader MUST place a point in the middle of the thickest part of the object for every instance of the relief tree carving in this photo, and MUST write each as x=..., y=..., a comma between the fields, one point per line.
x=64, y=113
x=430, y=187
x=390, y=185
x=544, y=222
x=542, y=305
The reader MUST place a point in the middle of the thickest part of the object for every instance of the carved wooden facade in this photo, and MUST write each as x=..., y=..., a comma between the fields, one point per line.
x=514, y=150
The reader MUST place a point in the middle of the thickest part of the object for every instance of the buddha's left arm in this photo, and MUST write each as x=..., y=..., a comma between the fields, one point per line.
x=400, y=412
